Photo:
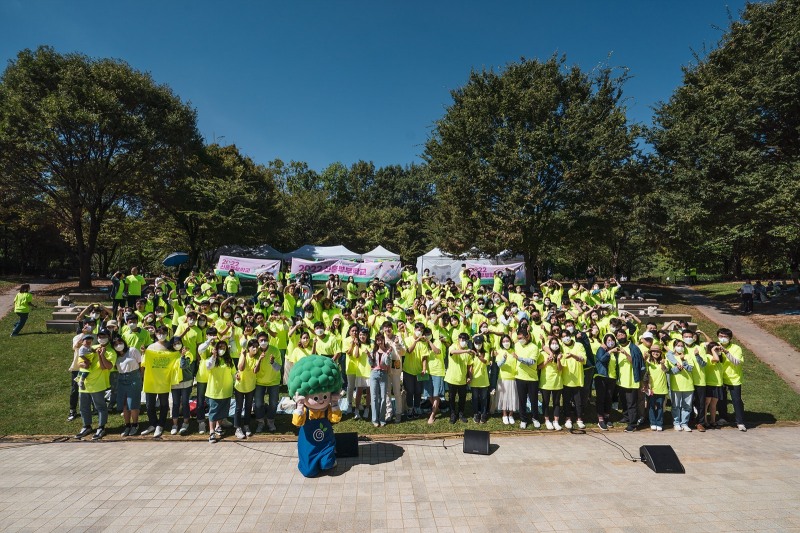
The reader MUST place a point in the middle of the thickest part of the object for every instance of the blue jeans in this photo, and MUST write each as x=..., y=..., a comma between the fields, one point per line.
x=271, y=391
x=681, y=407
x=129, y=390
x=180, y=403
x=99, y=401
x=21, y=319
x=201, y=401
x=377, y=389
x=655, y=409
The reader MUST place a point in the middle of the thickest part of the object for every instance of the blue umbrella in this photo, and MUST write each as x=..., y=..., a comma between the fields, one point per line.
x=175, y=259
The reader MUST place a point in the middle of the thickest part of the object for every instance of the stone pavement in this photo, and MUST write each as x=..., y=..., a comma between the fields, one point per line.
x=775, y=352
x=545, y=482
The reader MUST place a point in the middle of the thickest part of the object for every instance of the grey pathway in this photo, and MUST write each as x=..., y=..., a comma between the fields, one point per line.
x=775, y=352
x=553, y=482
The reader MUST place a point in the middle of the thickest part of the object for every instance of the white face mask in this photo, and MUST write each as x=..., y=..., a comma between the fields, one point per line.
x=417, y=333
x=237, y=320
x=160, y=336
x=493, y=321
x=506, y=345
x=95, y=315
x=679, y=349
x=463, y=344
x=571, y=329
x=689, y=341
x=191, y=322
x=566, y=340
x=221, y=351
x=263, y=344
x=226, y=315
x=478, y=344
x=484, y=329
x=554, y=346
x=723, y=340
x=611, y=344
x=102, y=342
x=319, y=331
x=613, y=329
x=119, y=347
x=177, y=346
x=522, y=341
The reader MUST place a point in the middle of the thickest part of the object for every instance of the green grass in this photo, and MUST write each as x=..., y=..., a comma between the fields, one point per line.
x=35, y=385
x=721, y=292
x=6, y=285
x=767, y=398
x=790, y=332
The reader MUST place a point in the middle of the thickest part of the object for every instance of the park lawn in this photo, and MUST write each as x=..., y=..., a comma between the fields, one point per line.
x=767, y=398
x=6, y=285
x=35, y=385
x=721, y=292
x=788, y=331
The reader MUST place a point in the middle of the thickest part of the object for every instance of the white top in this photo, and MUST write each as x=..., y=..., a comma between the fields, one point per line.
x=747, y=289
x=129, y=361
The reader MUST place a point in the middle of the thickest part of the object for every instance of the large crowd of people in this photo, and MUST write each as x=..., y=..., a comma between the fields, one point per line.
x=415, y=349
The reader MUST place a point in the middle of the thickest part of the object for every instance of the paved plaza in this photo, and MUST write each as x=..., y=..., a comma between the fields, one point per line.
x=541, y=482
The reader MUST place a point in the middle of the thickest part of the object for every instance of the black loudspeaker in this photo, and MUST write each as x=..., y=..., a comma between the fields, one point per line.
x=661, y=459
x=476, y=442
x=346, y=444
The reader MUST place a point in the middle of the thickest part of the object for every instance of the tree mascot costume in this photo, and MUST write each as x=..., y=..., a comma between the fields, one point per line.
x=315, y=384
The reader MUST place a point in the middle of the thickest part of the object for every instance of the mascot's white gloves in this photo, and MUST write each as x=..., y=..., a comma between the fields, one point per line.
x=300, y=401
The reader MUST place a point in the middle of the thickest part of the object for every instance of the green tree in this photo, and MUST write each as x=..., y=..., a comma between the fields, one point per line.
x=729, y=147
x=83, y=133
x=517, y=151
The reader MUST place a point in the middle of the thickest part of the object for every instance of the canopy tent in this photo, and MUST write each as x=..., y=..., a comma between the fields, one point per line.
x=443, y=266
x=309, y=251
x=265, y=251
x=380, y=254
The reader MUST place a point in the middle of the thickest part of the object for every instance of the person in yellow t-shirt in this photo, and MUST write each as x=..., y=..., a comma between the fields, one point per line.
x=232, y=284
x=268, y=382
x=573, y=358
x=656, y=390
x=732, y=363
x=456, y=376
x=550, y=382
x=507, y=400
x=244, y=389
x=221, y=372
x=528, y=358
x=158, y=365
x=98, y=365
x=22, y=307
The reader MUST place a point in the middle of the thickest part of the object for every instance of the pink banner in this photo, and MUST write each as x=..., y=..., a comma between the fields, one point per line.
x=246, y=266
x=388, y=271
x=486, y=272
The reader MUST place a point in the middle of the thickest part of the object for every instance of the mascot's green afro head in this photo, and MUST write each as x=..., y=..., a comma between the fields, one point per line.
x=314, y=374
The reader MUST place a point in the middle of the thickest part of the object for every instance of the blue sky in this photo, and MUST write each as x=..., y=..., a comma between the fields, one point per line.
x=342, y=81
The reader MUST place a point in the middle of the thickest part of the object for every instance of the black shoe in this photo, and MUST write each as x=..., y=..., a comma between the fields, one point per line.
x=483, y=419
x=476, y=419
x=99, y=434
x=630, y=429
x=84, y=432
x=453, y=419
x=72, y=416
x=463, y=419
x=602, y=424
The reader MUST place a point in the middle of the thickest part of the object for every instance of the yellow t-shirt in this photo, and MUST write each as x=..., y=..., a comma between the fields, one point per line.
x=527, y=372
x=457, y=369
x=268, y=376
x=550, y=377
x=509, y=367
x=658, y=379
x=220, y=381
x=247, y=377
x=731, y=373
x=22, y=302
x=159, y=370
x=97, y=379
x=571, y=368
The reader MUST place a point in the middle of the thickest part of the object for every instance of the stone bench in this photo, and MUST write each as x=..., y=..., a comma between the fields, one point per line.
x=89, y=297
x=62, y=326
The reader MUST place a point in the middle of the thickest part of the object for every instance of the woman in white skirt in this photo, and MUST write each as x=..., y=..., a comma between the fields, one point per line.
x=507, y=399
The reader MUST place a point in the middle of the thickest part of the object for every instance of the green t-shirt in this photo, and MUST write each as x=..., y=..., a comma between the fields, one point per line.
x=480, y=372
x=681, y=381
x=22, y=302
x=731, y=373
x=658, y=379
x=232, y=284
x=220, y=381
x=134, y=284
x=526, y=372
x=571, y=368
x=457, y=369
x=267, y=376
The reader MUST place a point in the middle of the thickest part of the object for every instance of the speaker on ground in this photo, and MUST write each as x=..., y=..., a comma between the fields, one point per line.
x=661, y=459
x=476, y=442
x=346, y=445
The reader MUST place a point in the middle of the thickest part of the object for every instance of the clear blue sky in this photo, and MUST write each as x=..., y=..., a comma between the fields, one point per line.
x=325, y=81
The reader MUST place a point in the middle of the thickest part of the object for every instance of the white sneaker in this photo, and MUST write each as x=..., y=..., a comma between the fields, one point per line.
x=247, y=431
x=659, y=428
x=260, y=427
x=184, y=429
x=505, y=420
x=581, y=425
x=741, y=427
x=240, y=434
x=201, y=427
x=653, y=428
x=523, y=425
x=148, y=430
x=686, y=428
x=159, y=431
x=511, y=420
x=548, y=424
x=174, y=430
x=678, y=428
x=568, y=425
x=536, y=424
x=271, y=426
x=556, y=425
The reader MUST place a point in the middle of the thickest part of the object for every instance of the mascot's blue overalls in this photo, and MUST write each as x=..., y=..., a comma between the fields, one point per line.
x=316, y=443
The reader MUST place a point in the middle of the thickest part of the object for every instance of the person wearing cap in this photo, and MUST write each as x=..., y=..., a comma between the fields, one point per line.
x=656, y=389
x=680, y=366
x=97, y=364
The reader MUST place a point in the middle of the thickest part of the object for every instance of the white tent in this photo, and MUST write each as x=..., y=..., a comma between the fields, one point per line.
x=380, y=254
x=309, y=251
x=265, y=251
x=443, y=266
